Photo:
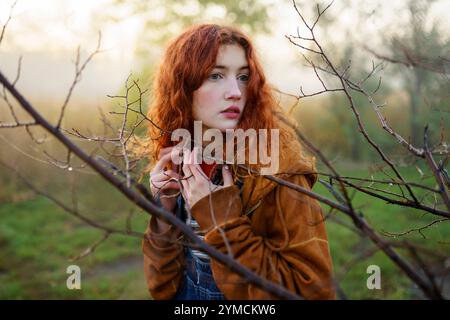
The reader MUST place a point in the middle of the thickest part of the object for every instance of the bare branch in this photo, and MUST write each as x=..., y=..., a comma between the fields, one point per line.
x=419, y=230
x=436, y=171
x=2, y=34
x=91, y=248
x=438, y=65
x=78, y=71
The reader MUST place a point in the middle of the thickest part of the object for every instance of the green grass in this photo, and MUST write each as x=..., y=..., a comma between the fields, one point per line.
x=347, y=249
x=37, y=240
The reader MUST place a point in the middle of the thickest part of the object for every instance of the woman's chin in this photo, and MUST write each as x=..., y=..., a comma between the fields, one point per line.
x=225, y=128
x=221, y=124
x=227, y=124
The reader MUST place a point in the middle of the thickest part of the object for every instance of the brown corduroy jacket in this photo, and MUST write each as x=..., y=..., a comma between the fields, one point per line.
x=277, y=232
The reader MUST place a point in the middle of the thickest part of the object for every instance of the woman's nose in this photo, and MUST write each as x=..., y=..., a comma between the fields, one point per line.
x=233, y=90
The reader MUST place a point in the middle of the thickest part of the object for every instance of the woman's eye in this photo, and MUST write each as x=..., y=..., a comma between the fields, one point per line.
x=244, y=77
x=215, y=76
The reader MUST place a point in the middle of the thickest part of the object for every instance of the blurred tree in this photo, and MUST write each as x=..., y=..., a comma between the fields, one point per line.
x=344, y=54
x=425, y=47
x=164, y=19
x=415, y=40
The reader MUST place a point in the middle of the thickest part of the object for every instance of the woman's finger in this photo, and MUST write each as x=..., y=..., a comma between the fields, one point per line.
x=186, y=160
x=227, y=176
x=185, y=187
x=177, y=155
x=198, y=173
x=195, y=168
x=159, y=186
x=173, y=185
x=162, y=162
x=164, y=175
x=164, y=151
x=163, y=179
x=171, y=174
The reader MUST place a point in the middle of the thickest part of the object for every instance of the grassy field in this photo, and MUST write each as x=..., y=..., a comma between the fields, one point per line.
x=38, y=239
x=353, y=254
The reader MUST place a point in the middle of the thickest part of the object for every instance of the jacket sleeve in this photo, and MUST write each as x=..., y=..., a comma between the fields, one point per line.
x=293, y=253
x=163, y=261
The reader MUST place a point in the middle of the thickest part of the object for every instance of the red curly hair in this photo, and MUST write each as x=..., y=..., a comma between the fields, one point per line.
x=187, y=62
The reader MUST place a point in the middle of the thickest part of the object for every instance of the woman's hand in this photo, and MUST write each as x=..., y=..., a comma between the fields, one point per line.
x=196, y=184
x=164, y=183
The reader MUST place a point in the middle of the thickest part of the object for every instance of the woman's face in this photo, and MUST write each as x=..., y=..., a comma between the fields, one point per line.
x=220, y=100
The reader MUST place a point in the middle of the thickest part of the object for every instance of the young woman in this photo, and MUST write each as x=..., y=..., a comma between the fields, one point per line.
x=210, y=73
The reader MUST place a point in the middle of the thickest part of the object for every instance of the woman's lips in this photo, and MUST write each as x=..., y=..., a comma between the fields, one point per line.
x=232, y=112
x=230, y=115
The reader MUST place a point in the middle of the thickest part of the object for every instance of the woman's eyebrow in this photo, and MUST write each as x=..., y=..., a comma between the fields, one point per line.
x=226, y=68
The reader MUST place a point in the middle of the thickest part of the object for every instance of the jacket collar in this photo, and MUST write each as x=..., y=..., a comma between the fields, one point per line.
x=292, y=161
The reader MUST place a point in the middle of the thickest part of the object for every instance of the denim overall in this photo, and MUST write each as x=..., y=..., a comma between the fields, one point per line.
x=198, y=282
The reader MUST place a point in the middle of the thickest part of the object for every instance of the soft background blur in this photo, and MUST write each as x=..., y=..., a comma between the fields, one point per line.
x=37, y=238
